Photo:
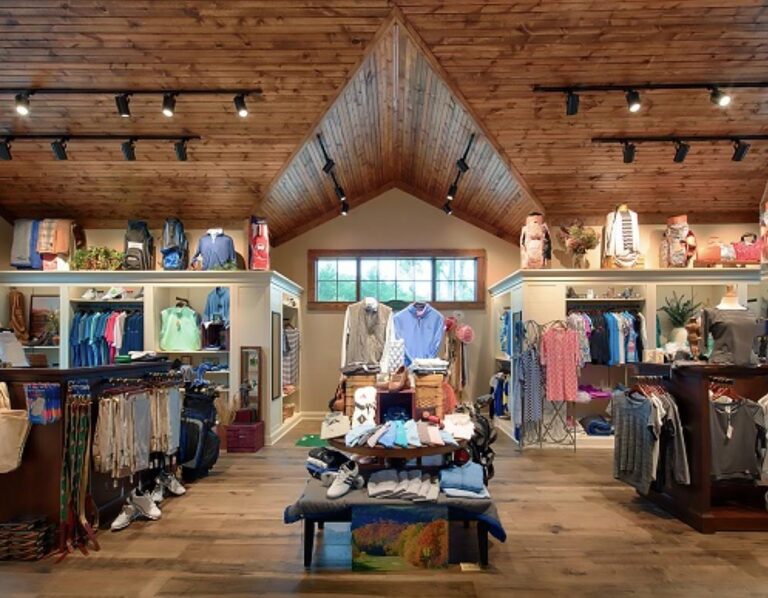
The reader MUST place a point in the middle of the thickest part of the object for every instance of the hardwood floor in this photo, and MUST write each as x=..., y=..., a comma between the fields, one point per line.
x=572, y=531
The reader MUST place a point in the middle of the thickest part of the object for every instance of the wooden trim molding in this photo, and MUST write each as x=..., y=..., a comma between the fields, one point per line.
x=478, y=254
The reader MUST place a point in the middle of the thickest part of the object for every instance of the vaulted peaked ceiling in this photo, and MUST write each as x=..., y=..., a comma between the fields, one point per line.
x=398, y=123
x=395, y=87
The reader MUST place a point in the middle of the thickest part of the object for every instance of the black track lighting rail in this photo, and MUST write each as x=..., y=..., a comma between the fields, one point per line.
x=677, y=138
x=128, y=91
x=329, y=169
x=649, y=86
x=73, y=137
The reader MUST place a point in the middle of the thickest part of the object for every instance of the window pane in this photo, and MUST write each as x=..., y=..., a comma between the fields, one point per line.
x=444, y=269
x=387, y=269
x=404, y=291
x=423, y=269
x=404, y=269
x=347, y=291
x=368, y=289
x=465, y=291
x=347, y=269
x=423, y=291
x=326, y=270
x=369, y=269
x=387, y=291
x=326, y=291
x=466, y=270
x=444, y=291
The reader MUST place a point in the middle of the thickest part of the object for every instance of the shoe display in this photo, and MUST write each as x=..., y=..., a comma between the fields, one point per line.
x=171, y=483
x=113, y=293
x=159, y=492
x=90, y=294
x=332, y=459
x=145, y=506
x=125, y=518
x=348, y=477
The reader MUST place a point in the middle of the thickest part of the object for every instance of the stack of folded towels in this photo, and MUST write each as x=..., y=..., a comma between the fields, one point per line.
x=463, y=481
x=400, y=434
x=405, y=485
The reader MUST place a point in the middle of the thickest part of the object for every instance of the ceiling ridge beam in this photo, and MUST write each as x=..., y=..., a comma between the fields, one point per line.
x=398, y=16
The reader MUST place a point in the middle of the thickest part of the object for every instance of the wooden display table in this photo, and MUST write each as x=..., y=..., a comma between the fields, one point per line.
x=408, y=454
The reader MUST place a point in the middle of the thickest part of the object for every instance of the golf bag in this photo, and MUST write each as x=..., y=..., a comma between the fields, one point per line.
x=199, y=446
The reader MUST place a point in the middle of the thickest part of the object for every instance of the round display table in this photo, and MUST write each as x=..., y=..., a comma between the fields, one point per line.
x=382, y=453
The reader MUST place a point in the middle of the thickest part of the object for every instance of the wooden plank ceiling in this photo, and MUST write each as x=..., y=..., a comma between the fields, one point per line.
x=396, y=91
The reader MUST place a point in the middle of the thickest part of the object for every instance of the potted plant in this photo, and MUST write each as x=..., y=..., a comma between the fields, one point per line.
x=52, y=327
x=577, y=240
x=679, y=310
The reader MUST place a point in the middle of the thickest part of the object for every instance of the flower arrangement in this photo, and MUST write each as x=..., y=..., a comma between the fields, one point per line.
x=577, y=239
x=97, y=258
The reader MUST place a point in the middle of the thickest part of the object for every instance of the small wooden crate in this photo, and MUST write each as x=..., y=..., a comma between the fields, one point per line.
x=353, y=383
x=428, y=395
x=245, y=438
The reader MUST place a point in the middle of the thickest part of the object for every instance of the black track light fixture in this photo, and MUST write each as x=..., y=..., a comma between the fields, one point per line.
x=129, y=150
x=633, y=100
x=344, y=208
x=571, y=103
x=5, y=150
x=59, y=148
x=447, y=208
x=22, y=103
x=240, y=106
x=629, y=152
x=681, y=151
x=719, y=97
x=169, y=104
x=740, y=150
x=340, y=193
x=451, y=192
x=122, y=101
x=180, y=147
x=328, y=166
x=461, y=163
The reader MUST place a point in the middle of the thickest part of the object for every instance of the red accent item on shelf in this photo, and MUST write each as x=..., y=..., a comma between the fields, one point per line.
x=258, y=244
x=245, y=438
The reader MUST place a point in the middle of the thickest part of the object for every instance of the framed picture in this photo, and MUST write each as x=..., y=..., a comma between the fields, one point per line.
x=395, y=538
x=250, y=378
x=44, y=318
x=277, y=355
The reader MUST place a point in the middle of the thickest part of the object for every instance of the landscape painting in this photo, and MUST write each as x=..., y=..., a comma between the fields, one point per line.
x=393, y=538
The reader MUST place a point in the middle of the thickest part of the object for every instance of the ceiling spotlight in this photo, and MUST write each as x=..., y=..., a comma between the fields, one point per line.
x=681, y=151
x=240, y=107
x=740, y=149
x=447, y=208
x=462, y=165
x=5, y=149
x=340, y=193
x=451, y=192
x=629, y=152
x=328, y=166
x=59, y=148
x=571, y=104
x=129, y=150
x=344, y=208
x=122, y=102
x=633, y=100
x=22, y=103
x=719, y=98
x=169, y=104
x=181, y=150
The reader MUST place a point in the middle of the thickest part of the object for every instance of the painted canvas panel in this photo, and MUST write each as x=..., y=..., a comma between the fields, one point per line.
x=393, y=538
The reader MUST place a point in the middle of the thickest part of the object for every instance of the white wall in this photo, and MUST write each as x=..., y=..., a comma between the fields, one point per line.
x=394, y=220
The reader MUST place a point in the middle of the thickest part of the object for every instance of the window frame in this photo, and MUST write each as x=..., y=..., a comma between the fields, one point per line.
x=313, y=255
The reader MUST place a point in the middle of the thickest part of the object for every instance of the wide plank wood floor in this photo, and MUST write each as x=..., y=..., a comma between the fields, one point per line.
x=572, y=531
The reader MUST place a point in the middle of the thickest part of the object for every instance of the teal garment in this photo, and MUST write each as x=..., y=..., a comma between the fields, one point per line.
x=180, y=329
x=401, y=439
x=412, y=433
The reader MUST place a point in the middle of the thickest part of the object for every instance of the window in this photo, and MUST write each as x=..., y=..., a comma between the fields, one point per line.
x=444, y=278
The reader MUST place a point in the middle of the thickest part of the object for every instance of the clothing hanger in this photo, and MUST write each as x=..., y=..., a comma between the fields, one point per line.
x=182, y=302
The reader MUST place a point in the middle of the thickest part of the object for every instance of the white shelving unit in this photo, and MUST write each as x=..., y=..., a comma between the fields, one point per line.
x=253, y=298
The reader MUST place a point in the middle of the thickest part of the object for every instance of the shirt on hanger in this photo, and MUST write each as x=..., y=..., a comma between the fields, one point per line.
x=421, y=330
x=217, y=304
x=179, y=329
x=216, y=249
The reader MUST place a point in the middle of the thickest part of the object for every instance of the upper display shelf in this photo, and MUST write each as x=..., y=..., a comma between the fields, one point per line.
x=629, y=277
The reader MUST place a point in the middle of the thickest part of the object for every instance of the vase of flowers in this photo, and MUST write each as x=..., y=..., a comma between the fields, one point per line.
x=577, y=240
x=680, y=311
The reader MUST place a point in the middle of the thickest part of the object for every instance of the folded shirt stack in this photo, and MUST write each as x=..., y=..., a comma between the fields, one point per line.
x=460, y=425
x=399, y=434
x=359, y=367
x=405, y=485
x=429, y=366
x=463, y=481
x=358, y=435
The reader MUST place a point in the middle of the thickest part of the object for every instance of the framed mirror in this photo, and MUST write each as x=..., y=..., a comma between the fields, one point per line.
x=250, y=378
x=277, y=355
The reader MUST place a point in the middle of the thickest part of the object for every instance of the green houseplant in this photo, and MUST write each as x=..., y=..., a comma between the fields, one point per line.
x=679, y=310
x=577, y=240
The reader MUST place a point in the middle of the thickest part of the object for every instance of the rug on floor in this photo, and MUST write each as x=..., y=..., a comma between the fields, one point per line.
x=311, y=440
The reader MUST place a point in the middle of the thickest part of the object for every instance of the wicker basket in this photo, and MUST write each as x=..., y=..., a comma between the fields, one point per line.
x=353, y=383
x=428, y=395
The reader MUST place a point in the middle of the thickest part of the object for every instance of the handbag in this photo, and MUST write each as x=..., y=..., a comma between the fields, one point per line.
x=14, y=429
x=334, y=425
x=711, y=253
x=748, y=249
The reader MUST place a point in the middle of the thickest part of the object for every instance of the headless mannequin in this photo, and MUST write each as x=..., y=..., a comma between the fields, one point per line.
x=730, y=300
